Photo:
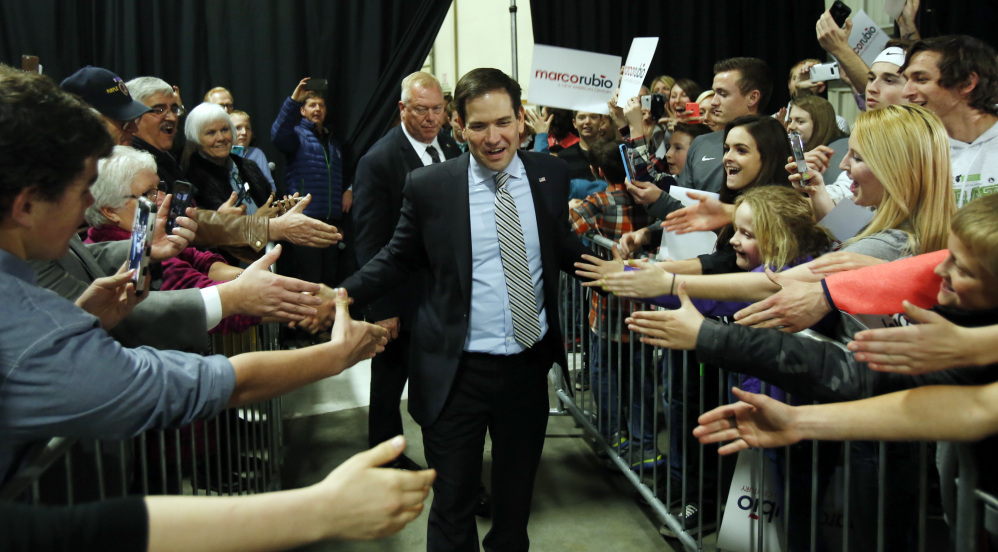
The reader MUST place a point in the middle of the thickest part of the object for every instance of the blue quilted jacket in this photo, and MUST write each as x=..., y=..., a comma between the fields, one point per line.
x=314, y=165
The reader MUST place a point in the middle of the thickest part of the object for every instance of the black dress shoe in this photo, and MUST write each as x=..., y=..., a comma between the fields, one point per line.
x=483, y=508
x=403, y=462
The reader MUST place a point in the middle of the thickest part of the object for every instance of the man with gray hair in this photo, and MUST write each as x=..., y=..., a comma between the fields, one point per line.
x=377, y=188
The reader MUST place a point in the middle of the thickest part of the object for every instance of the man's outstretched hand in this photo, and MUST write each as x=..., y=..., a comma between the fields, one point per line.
x=260, y=292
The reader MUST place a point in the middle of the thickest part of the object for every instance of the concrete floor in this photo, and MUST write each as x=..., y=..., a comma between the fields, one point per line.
x=579, y=505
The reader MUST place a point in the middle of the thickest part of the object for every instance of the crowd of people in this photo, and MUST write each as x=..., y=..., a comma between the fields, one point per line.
x=464, y=214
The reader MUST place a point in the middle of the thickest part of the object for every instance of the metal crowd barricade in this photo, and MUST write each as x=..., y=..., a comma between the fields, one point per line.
x=636, y=401
x=238, y=452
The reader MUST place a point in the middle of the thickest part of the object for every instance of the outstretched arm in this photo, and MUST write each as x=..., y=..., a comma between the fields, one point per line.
x=933, y=413
x=266, y=374
x=357, y=501
x=933, y=344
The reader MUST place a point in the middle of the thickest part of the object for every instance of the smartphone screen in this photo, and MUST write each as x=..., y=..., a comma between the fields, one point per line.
x=625, y=154
x=138, y=255
x=179, y=204
x=797, y=144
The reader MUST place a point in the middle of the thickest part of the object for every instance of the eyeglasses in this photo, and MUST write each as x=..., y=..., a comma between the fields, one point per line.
x=151, y=195
x=160, y=110
x=423, y=110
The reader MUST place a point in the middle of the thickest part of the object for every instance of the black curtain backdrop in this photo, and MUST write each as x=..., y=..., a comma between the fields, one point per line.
x=694, y=34
x=258, y=49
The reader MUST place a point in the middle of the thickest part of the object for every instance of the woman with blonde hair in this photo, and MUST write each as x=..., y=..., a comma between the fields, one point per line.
x=900, y=165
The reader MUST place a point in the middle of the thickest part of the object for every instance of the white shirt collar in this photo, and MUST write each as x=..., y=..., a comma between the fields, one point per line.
x=481, y=174
x=420, y=147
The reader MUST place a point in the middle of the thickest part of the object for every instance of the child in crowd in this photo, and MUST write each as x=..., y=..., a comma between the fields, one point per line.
x=610, y=214
x=968, y=296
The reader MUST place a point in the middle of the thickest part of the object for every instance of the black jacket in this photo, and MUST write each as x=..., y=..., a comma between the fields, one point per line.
x=211, y=181
x=822, y=369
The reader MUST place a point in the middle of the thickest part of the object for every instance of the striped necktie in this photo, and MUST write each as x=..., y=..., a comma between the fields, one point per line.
x=434, y=154
x=522, y=303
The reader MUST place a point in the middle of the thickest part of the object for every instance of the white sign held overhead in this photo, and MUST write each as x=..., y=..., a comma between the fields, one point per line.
x=573, y=79
x=866, y=38
x=638, y=59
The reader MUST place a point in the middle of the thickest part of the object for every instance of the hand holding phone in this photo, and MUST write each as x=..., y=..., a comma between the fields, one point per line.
x=625, y=154
x=797, y=144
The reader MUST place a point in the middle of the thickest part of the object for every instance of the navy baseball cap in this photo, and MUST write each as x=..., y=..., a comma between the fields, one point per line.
x=105, y=92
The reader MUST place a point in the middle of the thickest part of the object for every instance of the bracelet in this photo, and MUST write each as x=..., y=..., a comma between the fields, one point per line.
x=672, y=287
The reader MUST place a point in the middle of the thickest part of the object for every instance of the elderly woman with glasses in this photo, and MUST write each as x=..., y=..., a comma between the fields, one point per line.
x=211, y=167
x=123, y=177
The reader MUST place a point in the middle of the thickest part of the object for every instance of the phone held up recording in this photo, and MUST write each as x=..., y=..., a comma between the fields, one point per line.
x=142, y=230
x=797, y=144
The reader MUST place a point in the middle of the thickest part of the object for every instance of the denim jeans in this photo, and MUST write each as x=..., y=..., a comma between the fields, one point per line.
x=605, y=360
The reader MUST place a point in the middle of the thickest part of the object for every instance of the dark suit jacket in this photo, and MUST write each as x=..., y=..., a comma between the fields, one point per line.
x=377, y=204
x=434, y=233
x=164, y=319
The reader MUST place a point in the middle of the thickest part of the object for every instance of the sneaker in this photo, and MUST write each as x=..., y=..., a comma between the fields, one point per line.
x=647, y=460
x=618, y=442
x=689, y=519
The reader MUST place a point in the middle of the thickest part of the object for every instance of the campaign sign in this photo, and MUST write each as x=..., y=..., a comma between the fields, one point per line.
x=573, y=79
x=636, y=68
x=867, y=39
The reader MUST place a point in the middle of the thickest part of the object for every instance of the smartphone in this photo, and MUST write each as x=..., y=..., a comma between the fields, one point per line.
x=182, y=192
x=317, y=84
x=142, y=230
x=655, y=104
x=238, y=150
x=824, y=72
x=692, y=110
x=797, y=144
x=840, y=12
x=625, y=154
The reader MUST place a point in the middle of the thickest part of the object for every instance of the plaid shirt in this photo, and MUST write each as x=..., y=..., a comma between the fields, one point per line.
x=611, y=214
x=647, y=167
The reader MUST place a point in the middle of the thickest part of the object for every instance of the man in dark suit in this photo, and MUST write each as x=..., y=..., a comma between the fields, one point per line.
x=491, y=230
x=377, y=204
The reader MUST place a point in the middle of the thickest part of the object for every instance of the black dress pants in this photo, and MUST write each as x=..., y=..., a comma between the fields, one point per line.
x=508, y=397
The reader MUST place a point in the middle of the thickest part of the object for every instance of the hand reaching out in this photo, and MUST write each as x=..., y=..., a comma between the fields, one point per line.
x=259, y=292
x=229, y=207
x=537, y=123
x=932, y=345
x=596, y=269
x=360, y=340
x=756, y=421
x=707, y=214
x=673, y=329
x=111, y=298
x=301, y=229
x=372, y=502
x=799, y=305
x=650, y=280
